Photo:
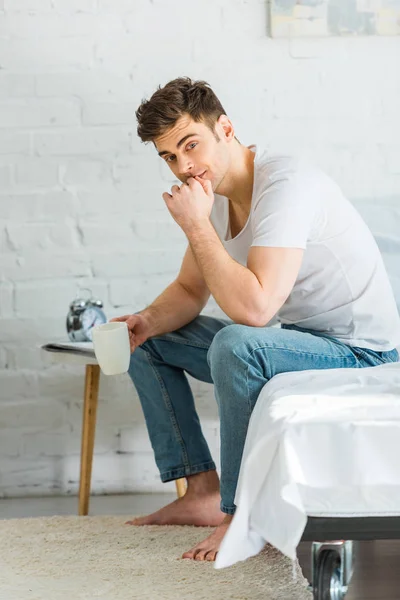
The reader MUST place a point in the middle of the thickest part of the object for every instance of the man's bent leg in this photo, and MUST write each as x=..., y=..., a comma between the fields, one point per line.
x=157, y=371
x=242, y=360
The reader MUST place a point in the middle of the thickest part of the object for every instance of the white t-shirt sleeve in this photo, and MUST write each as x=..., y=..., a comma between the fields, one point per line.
x=284, y=213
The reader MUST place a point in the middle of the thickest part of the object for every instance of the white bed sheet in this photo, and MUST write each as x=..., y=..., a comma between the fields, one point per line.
x=319, y=443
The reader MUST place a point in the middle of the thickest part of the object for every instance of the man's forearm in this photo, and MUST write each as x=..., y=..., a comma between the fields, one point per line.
x=173, y=309
x=235, y=288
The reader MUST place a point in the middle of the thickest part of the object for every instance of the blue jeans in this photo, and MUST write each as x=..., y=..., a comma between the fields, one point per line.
x=239, y=360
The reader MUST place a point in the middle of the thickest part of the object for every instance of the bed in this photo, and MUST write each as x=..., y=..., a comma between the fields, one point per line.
x=320, y=464
x=327, y=471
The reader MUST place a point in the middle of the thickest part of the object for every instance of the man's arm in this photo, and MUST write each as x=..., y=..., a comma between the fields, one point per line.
x=249, y=295
x=181, y=302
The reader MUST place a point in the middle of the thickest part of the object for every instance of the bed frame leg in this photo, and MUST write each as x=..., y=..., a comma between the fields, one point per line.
x=345, y=550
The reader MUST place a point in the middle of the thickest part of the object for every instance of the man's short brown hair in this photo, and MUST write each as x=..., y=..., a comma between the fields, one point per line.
x=178, y=97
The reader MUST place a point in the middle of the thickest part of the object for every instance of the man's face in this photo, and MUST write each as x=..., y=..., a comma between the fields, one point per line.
x=191, y=148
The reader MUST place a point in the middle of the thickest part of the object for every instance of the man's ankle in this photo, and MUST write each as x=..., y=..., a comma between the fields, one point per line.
x=203, y=483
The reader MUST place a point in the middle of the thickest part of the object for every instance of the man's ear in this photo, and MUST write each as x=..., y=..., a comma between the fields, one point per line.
x=227, y=127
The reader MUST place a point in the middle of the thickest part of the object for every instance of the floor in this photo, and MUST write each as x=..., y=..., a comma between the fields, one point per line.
x=376, y=575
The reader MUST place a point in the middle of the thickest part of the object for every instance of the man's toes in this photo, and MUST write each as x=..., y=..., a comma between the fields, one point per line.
x=189, y=554
x=133, y=522
x=194, y=553
x=200, y=554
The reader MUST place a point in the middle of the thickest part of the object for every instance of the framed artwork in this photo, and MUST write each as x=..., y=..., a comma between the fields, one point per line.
x=296, y=18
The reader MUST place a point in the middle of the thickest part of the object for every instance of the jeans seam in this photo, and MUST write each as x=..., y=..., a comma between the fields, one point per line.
x=169, y=406
x=198, y=468
x=248, y=389
x=171, y=338
x=318, y=354
x=228, y=510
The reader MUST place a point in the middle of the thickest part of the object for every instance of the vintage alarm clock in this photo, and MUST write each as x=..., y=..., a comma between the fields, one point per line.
x=83, y=315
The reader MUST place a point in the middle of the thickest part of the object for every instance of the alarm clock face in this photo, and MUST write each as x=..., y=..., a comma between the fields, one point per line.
x=90, y=318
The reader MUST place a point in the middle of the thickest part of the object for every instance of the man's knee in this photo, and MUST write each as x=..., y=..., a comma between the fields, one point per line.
x=228, y=342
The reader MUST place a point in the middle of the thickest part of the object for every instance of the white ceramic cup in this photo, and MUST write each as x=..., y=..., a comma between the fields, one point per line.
x=111, y=347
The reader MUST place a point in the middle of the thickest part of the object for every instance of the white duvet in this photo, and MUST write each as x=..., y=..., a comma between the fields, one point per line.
x=332, y=431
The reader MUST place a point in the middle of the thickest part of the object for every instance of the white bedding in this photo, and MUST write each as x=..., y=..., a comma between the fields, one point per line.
x=319, y=443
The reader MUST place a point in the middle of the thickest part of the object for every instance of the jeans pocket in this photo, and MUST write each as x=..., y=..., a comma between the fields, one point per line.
x=391, y=356
x=373, y=358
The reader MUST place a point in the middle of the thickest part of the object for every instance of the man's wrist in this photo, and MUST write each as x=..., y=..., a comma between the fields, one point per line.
x=199, y=227
x=150, y=317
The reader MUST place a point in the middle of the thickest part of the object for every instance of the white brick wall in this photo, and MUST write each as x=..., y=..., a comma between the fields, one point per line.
x=80, y=196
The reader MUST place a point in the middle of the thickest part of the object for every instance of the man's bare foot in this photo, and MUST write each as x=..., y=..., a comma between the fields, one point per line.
x=199, y=506
x=208, y=549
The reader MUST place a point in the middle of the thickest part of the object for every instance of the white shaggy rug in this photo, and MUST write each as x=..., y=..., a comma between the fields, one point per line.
x=82, y=558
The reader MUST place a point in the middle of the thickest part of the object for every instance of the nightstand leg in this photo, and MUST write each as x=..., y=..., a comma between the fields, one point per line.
x=88, y=433
x=180, y=487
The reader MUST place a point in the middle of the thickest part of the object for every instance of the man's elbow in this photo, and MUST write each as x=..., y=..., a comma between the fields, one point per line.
x=259, y=317
x=253, y=319
x=257, y=321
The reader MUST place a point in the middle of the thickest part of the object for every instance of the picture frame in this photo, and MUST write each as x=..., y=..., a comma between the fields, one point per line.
x=322, y=18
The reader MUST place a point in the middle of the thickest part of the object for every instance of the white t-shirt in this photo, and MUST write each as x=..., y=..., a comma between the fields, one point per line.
x=342, y=289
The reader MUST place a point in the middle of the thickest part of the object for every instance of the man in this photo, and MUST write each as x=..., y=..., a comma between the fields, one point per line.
x=267, y=236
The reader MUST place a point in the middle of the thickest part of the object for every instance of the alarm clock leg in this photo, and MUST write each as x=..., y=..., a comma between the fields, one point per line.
x=88, y=433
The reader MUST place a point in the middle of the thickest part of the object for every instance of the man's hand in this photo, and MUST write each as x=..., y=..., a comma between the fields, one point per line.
x=138, y=328
x=191, y=204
